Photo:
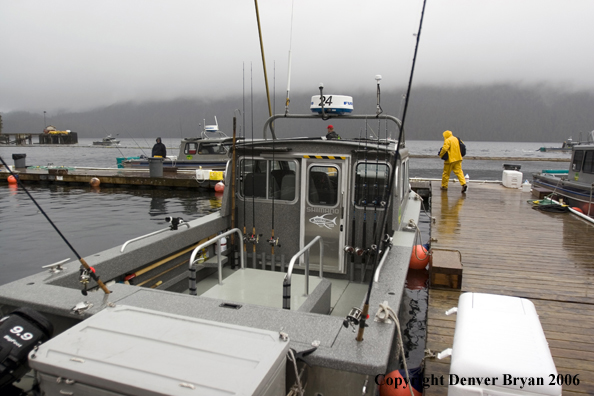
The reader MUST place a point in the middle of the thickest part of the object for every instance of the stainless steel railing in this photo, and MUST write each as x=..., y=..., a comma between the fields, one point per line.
x=287, y=280
x=217, y=240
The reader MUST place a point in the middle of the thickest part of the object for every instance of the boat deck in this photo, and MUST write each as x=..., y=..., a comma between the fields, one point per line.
x=510, y=249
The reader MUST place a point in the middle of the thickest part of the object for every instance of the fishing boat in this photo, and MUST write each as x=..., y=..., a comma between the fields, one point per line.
x=566, y=146
x=210, y=150
x=290, y=289
x=107, y=141
x=574, y=186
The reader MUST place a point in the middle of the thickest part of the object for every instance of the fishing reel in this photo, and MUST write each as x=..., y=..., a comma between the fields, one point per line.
x=349, y=249
x=84, y=277
x=352, y=319
x=360, y=251
x=252, y=238
x=174, y=222
x=274, y=242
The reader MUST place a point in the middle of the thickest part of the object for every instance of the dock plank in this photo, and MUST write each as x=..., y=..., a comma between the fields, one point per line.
x=510, y=249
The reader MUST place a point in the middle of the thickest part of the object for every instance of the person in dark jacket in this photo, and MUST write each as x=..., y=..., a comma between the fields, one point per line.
x=159, y=149
x=331, y=134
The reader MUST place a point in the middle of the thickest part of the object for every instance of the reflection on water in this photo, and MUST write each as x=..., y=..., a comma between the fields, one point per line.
x=413, y=308
x=413, y=316
x=92, y=219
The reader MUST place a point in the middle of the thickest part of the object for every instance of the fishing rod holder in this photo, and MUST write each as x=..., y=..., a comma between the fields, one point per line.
x=352, y=319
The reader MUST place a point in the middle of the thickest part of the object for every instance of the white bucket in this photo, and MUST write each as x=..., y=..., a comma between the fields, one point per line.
x=526, y=187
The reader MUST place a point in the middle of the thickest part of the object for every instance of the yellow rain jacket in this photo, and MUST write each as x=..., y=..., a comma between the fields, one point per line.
x=450, y=146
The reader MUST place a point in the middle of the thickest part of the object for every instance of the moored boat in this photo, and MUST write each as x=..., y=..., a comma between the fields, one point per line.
x=107, y=141
x=210, y=151
x=181, y=313
x=576, y=185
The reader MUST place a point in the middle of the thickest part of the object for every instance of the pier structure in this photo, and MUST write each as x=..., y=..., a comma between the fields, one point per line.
x=507, y=248
x=115, y=177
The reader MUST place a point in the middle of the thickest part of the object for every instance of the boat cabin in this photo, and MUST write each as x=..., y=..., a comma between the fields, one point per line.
x=297, y=189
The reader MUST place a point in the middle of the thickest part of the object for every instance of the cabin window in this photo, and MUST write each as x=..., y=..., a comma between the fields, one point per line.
x=267, y=179
x=371, y=183
x=589, y=162
x=212, y=148
x=191, y=148
x=578, y=157
x=323, y=185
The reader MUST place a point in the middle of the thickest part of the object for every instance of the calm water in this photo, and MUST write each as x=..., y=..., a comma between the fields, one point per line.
x=97, y=219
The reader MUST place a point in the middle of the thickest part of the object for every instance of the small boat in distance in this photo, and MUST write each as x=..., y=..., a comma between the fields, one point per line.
x=210, y=150
x=107, y=141
x=566, y=146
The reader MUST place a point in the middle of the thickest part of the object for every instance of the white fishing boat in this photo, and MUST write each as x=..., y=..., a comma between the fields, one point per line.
x=210, y=150
x=290, y=289
x=107, y=141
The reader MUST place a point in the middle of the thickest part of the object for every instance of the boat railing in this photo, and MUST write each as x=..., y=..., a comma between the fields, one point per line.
x=380, y=265
x=148, y=235
x=303, y=252
x=217, y=240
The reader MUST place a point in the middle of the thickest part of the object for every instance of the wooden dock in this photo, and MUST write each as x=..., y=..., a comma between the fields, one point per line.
x=171, y=179
x=510, y=249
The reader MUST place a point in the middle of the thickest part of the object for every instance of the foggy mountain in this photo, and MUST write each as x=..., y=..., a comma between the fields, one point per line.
x=475, y=113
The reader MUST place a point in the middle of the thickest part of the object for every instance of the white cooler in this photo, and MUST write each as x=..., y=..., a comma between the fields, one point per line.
x=512, y=179
x=499, y=337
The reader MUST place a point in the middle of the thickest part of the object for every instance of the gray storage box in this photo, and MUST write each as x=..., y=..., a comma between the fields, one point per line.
x=133, y=351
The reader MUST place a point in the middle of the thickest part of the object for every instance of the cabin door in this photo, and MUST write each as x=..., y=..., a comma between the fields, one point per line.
x=322, y=209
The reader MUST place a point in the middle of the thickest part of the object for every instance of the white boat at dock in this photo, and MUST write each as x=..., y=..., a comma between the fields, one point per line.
x=211, y=150
x=318, y=235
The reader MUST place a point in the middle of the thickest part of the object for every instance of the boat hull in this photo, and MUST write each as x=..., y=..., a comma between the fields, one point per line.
x=576, y=195
x=144, y=164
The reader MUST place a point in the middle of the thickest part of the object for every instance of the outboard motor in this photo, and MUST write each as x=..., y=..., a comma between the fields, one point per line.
x=20, y=332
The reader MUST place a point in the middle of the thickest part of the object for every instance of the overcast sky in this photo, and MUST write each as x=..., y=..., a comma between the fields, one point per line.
x=75, y=55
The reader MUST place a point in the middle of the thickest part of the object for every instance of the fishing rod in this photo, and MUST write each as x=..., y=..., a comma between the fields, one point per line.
x=254, y=239
x=364, y=250
x=351, y=249
x=289, y=71
x=245, y=237
x=233, y=189
x=263, y=59
x=386, y=202
x=273, y=241
x=87, y=271
x=137, y=143
x=118, y=143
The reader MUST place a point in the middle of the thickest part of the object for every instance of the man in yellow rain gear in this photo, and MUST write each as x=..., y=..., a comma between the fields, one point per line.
x=453, y=162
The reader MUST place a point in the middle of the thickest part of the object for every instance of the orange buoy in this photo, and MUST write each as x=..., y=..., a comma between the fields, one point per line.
x=95, y=182
x=12, y=180
x=394, y=384
x=419, y=257
x=220, y=187
x=577, y=209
